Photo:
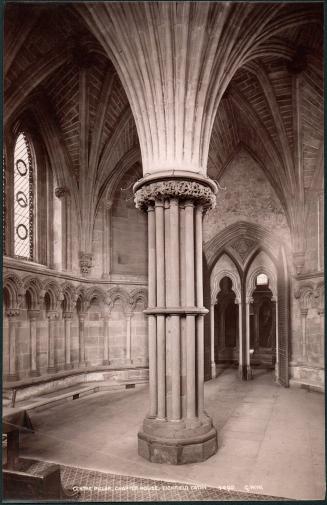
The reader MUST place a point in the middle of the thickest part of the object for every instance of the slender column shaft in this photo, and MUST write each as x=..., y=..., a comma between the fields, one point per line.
x=167, y=256
x=198, y=255
x=106, y=247
x=321, y=339
x=152, y=326
x=318, y=233
x=152, y=257
x=68, y=322
x=189, y=253
x=304, y=313
x=69, y=234
x=51, y=342
x=200, y=361
x=81, y=339
x=106, y=360
x=128, y=338
x=247, y=345
x=175, y=301
x=212, y=340
x=190, y=320
x=161, y=381
x=12, y=345
x=33, y=342
x=160, y=254
x=161, y=344
x=277, y=345
x=199, y=302
x=64, y=241
x=240, y=341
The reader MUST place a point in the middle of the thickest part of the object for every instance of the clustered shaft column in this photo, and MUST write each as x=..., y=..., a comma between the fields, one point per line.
x=177, y=430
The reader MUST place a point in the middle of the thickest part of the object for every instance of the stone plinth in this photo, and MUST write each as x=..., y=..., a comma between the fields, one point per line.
x=177, y=443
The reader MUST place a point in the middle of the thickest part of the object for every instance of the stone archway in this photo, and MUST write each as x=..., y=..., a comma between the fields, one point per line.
x=255, y=304
x=225, y=268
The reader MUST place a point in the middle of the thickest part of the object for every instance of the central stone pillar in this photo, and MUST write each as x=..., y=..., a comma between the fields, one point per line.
x=176, y=430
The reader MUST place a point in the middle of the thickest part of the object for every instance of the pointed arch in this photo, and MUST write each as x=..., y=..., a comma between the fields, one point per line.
x=225, y=267
x=15, y=289
x=118, y=293
x=69, y=296
x=261, y=264
x=139, y=295
x=82, y=302
x=34, y=287
x=242, y=229
x=95, y=292
x=54, y=292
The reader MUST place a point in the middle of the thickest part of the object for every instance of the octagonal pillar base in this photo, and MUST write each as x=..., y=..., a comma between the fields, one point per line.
x=178, y=451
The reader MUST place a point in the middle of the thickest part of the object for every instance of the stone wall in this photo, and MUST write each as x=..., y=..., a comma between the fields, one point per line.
x=129, y=231
x=124, y=252
x=307, y=364
x=248, y=197
x=314, y=232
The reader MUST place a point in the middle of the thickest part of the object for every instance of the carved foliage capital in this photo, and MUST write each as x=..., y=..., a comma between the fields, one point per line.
x=181, y=189
x=85, y=262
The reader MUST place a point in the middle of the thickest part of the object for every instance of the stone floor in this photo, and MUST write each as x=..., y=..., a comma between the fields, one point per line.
x=270, y=439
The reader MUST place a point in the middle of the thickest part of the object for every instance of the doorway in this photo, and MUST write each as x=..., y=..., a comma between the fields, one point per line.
x=226, y=324
x=262, y=325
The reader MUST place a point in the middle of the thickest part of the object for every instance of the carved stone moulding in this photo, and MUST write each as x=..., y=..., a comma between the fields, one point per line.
x=178, y=184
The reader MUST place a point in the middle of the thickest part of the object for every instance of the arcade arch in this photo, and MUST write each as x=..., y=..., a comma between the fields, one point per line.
x=253, y=326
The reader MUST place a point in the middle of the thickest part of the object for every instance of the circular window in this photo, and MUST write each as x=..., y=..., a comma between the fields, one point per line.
x=21, y=167
x=22, y=231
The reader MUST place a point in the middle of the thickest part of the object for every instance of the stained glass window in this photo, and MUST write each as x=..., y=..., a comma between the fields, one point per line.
x=23, y=199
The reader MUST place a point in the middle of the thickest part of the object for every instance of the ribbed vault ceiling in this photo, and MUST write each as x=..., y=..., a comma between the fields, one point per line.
x=51, y=54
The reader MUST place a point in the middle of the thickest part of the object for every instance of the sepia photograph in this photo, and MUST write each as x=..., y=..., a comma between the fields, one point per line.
x=163, y=251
